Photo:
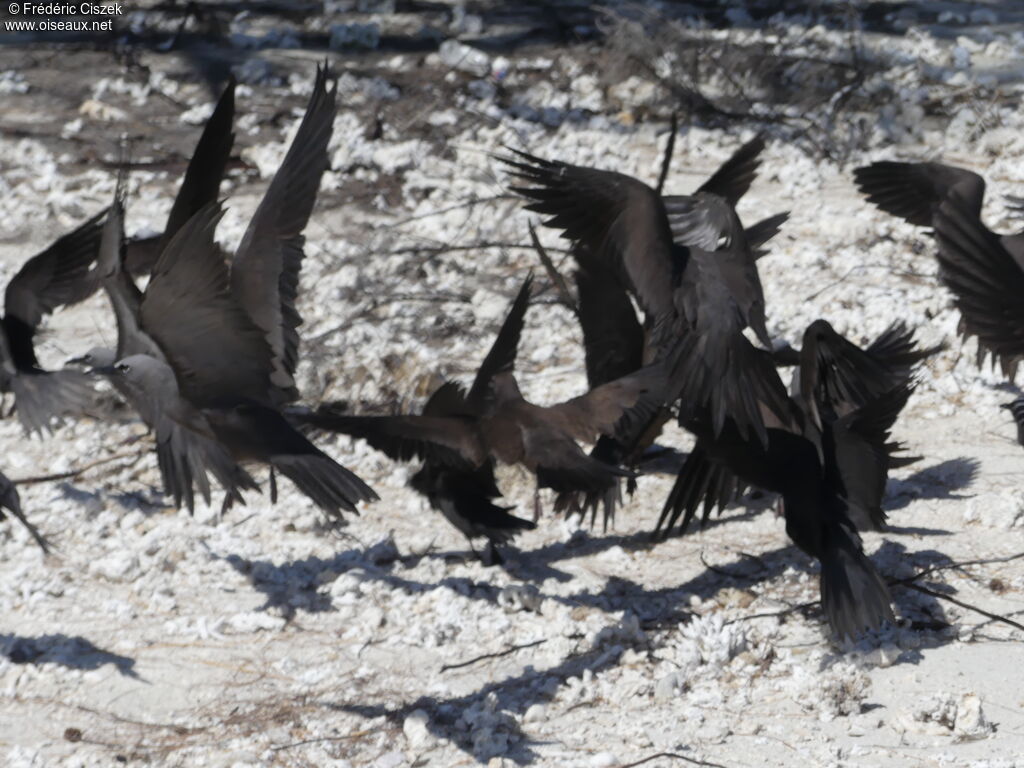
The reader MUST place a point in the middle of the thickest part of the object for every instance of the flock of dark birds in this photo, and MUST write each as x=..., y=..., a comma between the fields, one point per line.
x=206, y=354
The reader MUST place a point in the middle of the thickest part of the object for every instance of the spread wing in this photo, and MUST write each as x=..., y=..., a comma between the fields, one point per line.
x=266, y=434
x=205, y=171
x=914, y=191
x=615, y=409
x=44, y=396
x=734, y=177
x=760, y=233
x=265, y=272
x=613, y=339
x=700, y=481
x=617, y=218
x=836, y=373
x=217, y=353
x=986, y=282
x=444, y=440
x=863, y=455
x=57, y=276
x=501, y=357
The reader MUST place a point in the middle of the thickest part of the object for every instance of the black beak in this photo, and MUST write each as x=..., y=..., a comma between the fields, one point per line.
x=106, y=370
x=76, y=361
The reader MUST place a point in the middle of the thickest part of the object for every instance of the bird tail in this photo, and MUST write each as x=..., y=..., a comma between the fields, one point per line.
x=853, y=594
x=331, y=487
x=732, y=379
x=699, y=480
x=40, y=398
x=609, y=451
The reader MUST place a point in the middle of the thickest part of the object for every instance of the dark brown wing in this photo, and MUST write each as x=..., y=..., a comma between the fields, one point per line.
x=613, y=409
x=986, y=282
x=501, y=357
x=914, y=191
x=700, y=482
x=201, y=185
x=837, y=374
x=613, y=339
x=264, y=434
x=57, y=276
x=703, y=220
x=265, y=272
x=863, y=455
x=445, y=440
x=734, y=177
x=760, y=233
x=217, y=353
x=617, y=218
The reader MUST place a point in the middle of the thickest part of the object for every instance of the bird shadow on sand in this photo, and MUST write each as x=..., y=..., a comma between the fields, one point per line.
x=148, y=502
x=71, y=652
x=498, y=707
x=938, y=481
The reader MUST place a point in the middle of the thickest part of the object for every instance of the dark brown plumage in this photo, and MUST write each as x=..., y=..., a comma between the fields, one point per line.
x=830, y=465
x=494, y=423
x=200, y=185
x=987, y=283
x=58, y=276
x=676, y=254
x=983, y=270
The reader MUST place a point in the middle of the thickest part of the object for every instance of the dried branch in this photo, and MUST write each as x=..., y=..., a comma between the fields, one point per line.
x=962, y=604
x=498, y=655
x=673, y=756
x=76, y=472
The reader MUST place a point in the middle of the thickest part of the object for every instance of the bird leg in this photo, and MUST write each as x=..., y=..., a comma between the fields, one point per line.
x=273, y=486
x=491, y=556
x=536, y=503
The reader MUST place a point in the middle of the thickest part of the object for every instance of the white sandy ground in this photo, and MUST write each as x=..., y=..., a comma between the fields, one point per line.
x=152, y=637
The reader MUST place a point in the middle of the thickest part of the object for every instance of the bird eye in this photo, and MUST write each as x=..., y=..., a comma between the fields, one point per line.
x=123, y=368
x=88, y=359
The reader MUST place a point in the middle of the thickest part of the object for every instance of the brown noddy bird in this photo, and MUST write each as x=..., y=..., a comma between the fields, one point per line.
x=263, y=283
x=582, y=203
x=56, y=277
x=983, y=269
x=215, y=376
x=830, y=468
x=494, y=423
